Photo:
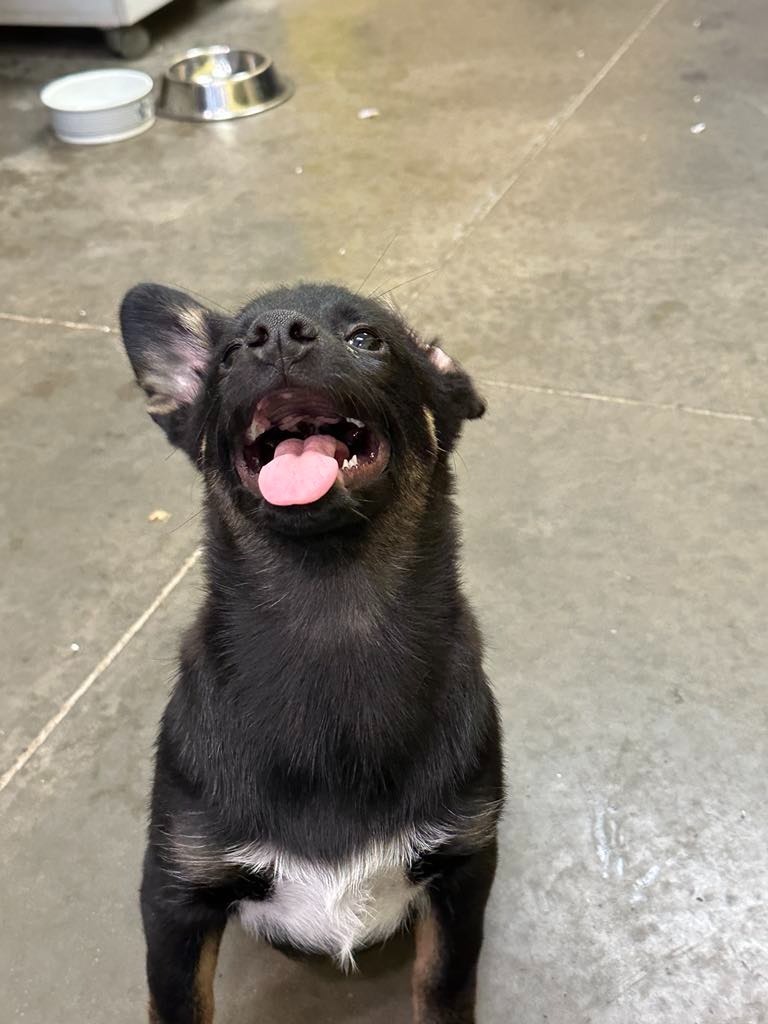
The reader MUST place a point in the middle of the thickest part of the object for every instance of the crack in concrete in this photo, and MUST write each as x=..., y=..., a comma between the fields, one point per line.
x=112, y=654
x=540, y=142
x=639, y=403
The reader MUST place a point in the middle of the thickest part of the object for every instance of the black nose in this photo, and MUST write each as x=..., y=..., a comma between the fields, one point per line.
x=281, y=335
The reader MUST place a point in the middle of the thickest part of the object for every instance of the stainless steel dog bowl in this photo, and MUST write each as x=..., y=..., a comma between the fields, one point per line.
x=216, y=83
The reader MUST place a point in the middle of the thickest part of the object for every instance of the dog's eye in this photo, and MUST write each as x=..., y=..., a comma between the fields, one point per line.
x=229, y=352
x=362, y=338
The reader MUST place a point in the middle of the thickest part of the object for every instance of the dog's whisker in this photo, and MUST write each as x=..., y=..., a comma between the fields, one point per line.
x=391, y=303
x=459, y=456
x=384, y=252
x=360, y=514
x=205, y=298
x=187, y=521
x=410, y=280
x=204, y=424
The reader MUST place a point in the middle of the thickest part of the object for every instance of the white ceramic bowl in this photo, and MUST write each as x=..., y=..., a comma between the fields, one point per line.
x=100, y=106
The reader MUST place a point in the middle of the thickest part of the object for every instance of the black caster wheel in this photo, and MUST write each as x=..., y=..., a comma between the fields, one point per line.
x=130, y=42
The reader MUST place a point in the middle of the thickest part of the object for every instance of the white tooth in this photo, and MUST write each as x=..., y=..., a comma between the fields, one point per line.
x=253, y=432
x=357, y=423
x=345, y=464
x=257, y=427
x=353, y=462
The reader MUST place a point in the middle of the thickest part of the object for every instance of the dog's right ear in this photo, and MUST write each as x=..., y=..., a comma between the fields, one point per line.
x=168, y=337
x=457, y=387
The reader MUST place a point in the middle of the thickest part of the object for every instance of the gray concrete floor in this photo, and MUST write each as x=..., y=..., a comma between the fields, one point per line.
x=601, y=269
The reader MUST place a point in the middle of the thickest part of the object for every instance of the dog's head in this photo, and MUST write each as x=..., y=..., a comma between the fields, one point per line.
x=310, y=410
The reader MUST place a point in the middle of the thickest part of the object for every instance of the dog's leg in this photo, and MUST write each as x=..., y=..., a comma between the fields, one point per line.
x=448, y=941
x=183, y=936
x=180, y=968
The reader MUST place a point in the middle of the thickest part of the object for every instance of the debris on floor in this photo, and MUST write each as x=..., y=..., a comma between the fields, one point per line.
x=697, y=129
x=158, y=516
x=367, y=112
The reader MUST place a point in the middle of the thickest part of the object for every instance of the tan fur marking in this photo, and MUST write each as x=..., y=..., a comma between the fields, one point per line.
x=192, y=320
x=431, y=428
x=204, y=977
x=160, y=405
x=206, y=972
x=425, y=966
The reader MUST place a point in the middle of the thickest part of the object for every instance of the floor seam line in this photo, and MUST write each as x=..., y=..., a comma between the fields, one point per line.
x=109, y=658
x=595, y=396
x=47, y=321
x=543, y=139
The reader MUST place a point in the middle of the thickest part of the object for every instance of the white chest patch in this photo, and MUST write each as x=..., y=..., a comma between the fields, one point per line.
x=332, y=908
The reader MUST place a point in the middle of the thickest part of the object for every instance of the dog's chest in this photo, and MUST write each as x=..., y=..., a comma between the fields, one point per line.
x=332, y=908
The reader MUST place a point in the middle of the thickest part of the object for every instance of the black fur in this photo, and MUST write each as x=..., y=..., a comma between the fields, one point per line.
x=331, y=691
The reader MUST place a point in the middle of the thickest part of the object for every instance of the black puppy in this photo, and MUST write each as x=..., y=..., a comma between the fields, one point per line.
x=328, y=767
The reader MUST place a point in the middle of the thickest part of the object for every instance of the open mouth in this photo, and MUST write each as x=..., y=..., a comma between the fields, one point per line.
x=298, y=445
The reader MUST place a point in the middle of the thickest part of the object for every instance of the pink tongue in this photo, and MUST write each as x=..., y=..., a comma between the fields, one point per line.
x=300, y=472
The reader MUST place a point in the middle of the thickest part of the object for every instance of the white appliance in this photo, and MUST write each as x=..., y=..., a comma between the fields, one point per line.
x=120, y=19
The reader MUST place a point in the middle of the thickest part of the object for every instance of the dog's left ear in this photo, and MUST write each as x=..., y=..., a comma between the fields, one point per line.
x=167, y=335
x=455, y=389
